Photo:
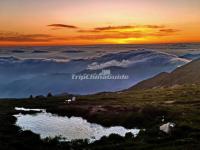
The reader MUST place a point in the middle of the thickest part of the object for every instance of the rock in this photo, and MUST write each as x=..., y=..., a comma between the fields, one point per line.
x=73, y=98
x=163, y=119
x=68, y=101
x=167, y=128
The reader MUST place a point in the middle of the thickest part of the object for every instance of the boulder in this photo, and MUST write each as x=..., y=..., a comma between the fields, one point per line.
x=167, y=128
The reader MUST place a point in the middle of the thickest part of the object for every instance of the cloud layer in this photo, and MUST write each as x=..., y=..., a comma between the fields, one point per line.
x=17, y=37
x=122, y=32
x=62, y=26
x=96, y=66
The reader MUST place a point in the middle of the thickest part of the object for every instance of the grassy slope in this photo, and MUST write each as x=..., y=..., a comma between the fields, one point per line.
x=187, y=74
x=141, y=108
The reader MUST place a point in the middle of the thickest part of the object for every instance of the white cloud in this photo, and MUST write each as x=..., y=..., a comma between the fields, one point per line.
x=96, y=66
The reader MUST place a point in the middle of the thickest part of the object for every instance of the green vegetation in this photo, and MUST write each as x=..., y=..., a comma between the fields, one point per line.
x=131, y=108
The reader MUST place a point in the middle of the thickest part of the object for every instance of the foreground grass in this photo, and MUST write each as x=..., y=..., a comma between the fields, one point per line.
x=142, y=109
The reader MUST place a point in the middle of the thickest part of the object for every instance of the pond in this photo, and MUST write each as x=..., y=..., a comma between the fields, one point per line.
x=73, y=128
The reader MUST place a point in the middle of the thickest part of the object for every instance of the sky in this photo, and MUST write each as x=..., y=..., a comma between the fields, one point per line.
x=84, y=22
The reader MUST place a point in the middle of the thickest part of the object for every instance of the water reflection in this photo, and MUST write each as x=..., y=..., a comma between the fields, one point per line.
x=49, y=125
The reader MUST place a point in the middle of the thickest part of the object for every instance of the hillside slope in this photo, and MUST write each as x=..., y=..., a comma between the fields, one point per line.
x=187, y=74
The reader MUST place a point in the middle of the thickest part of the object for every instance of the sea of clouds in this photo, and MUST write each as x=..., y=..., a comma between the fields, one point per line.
x=39, y=70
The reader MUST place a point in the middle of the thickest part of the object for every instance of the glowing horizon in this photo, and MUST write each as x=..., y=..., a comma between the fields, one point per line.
x=87, y=22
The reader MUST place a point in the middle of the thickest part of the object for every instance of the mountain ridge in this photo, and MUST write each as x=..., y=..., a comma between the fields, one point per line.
x=186, y=74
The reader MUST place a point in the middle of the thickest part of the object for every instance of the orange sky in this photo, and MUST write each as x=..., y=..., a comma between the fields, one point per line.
x=77, y=22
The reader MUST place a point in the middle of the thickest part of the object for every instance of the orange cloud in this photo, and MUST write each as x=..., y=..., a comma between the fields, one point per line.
x=62, y=26
x=154, y=26
x=16, y=37
x=128, y=27
x=112, y=28
x=120, y=28
x=122, y=35
x=124, y=32
x=98, y=34
x=106, y=29
x=169, y=30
